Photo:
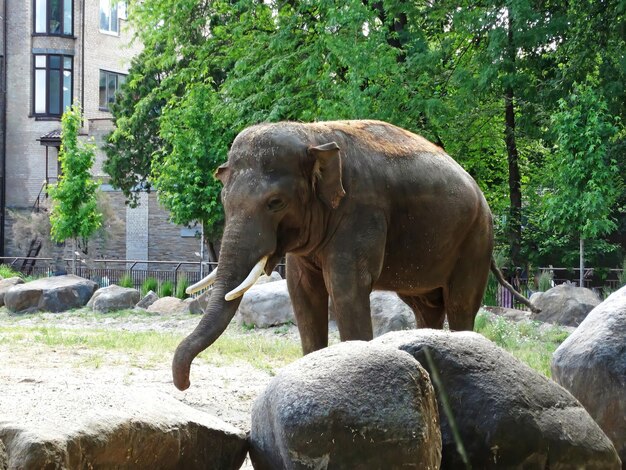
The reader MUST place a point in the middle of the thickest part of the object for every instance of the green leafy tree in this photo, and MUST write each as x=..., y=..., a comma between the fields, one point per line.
x=584, y=182
x=74, y=211
x=135, y=142
x=479, y=79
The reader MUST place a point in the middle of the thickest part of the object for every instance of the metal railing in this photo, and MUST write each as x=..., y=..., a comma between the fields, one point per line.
x=112, y=271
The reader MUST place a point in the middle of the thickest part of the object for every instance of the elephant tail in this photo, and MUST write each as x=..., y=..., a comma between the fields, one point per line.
x=519, y=297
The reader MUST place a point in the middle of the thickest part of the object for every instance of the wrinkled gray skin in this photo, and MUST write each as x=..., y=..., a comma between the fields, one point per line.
x=355, y=206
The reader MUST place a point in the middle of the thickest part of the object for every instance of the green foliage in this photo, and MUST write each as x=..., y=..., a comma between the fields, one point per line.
x=444, y=69
x=150, y=284
x=166, y=289
x=7, y=271
x=74, y=211
x=526, y=341
x=135, y=141
x=126, y=281
x=181, y=285
x=544, y=282
x=583, y=182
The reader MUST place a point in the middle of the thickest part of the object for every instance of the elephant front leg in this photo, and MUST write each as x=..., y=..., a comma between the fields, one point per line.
x=352, y=265
x=310, y=302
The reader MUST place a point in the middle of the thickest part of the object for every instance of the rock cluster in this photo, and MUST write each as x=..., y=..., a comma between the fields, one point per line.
x=51, y=294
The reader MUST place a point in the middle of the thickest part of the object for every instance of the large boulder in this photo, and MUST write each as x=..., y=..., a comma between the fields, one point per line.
x=564, y=304
x=199, y=304
x=352, y=405
x=147, y=300
x=113, y=298
x=5, y=285
x=389, y=313
x=173, y=305
x=273, y=277
x=265, y=305
x=115, y=427
x=51, y=294
x=507, y=415
x=591, y=364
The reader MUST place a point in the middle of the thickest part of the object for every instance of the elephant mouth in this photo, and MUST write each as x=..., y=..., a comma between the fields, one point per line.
x=273, y=260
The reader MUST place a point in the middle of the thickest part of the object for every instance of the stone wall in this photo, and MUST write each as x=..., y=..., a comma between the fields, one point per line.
x=168, y=241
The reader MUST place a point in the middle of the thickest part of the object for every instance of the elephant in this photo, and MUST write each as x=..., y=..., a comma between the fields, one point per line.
x=353, y=206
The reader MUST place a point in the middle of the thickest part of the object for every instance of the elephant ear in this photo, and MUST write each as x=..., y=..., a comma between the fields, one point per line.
x=327, y=173
x=222, y=173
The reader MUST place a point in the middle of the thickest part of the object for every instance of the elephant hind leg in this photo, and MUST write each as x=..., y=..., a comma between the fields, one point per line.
x=428, y=309
x=464, y=293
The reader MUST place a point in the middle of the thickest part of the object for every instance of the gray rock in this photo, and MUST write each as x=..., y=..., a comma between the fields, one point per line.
x=591, y=364
x=266, y=305
x=564, y=304
x=51, y=294
x=147, y=300
x=113, y=298
x=198, y=304
x=4, y=458
x=117, y=427
x=6, y=284
x=264, y=279
x=507, y=415
x=166, y=305
x=352, y=405
x=389, y=313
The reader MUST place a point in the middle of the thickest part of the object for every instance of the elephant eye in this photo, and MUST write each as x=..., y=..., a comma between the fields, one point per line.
x=275, y=204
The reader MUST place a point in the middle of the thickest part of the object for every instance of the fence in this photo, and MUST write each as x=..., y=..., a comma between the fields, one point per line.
x=106, y=272
x=601, y=280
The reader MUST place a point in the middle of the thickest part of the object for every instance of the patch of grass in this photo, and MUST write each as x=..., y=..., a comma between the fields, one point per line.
x=7, y=271
x=126, y=281
x=150, y=284
x=166, y=289
x=261, y=351
x=150, y=348
x=545, y=281
x=526, y=340
x=181, y=286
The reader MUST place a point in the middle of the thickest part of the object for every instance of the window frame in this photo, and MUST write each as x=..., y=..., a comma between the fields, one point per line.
x=118, y=16
x=47, y=114
x=107, y=106
x=48, y=16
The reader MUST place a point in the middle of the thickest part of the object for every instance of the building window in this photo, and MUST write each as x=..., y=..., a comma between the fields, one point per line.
x=54, y=17
x=111, y=11
x=53, y=84
x=110, y=82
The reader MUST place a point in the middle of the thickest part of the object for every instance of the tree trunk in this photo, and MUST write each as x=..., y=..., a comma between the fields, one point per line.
x=74, y=248
x=582, y=262
x=212, y=252
x=514, y=226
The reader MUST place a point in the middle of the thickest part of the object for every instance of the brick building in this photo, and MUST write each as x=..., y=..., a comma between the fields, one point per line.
x=54, y=52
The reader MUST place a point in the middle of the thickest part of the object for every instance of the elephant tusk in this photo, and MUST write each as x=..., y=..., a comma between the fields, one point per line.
x=206, y=282
x=249, y=281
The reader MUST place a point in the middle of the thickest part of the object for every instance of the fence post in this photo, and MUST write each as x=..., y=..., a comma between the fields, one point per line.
x=176, y=278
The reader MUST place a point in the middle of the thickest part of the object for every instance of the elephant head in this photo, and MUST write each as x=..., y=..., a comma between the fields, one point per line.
x=279, y=187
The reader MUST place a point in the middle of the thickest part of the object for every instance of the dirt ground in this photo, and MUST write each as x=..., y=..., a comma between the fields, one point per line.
x=226, y=390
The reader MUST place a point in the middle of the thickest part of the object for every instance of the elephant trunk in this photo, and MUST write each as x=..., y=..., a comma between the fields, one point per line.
x=225, y=299
x=218, y=315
